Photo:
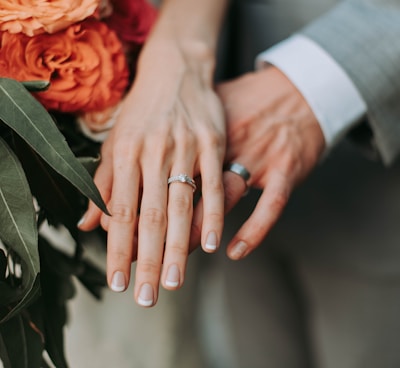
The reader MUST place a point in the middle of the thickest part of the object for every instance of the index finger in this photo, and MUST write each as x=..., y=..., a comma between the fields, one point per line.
x=267, y=211
x=121, y=225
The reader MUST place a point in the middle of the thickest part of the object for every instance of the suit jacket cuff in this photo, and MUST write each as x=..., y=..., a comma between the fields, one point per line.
x=334, y=99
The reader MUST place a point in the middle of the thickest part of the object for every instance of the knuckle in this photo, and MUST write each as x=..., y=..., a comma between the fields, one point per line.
x=181, y=204
x=159, y=142
x=279, y=201
x=215, y=218
x=124, y=148
x=290, y=161
x=185, y=141
x=148, y=266
x=214, y=184
x=180, y=250
x=120, y=256
x=259, y=229
x=186, y=137
x=214, y=139
x=154, y=217
x=122, y=213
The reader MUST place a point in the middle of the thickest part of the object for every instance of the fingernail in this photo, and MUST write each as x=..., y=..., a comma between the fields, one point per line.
x=82, y=220
x=172, y=279
x=238, y=250
x=146, y=297
x=118, y=282
x=211, y=242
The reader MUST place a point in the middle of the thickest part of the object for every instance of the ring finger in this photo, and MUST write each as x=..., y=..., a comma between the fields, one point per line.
x=180, y=212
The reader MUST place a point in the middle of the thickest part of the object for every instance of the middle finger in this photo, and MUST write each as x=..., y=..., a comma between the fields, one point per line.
x=151, y=236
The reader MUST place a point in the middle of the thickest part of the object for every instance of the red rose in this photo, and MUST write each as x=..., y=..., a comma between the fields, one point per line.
x=84, y=63
x=132, y=20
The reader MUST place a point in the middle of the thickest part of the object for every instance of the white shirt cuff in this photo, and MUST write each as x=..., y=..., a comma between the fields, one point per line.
x=331, y=94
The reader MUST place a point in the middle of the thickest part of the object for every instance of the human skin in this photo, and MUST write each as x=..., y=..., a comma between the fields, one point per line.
x=271, y=131
x=171, y=123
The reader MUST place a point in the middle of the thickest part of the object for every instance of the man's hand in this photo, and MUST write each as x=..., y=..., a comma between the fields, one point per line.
x=272, y=132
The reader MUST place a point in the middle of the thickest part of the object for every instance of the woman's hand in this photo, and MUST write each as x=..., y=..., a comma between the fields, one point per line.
x=171, y=123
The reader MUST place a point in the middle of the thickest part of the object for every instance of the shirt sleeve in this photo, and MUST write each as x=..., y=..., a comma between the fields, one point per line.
x=334, y=99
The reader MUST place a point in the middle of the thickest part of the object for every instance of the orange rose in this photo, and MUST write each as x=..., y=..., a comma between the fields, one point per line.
x=33, y=17
x=84, y=63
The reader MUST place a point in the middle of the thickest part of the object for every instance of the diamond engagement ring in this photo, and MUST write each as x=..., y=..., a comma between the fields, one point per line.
x=183, y=178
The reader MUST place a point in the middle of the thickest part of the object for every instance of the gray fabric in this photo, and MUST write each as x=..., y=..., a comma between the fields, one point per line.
x=347, y=212
x=354, y=319
x=286, y=312
x=363, y=36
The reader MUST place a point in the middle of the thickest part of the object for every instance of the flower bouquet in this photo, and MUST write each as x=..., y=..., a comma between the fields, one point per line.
x=64, y=69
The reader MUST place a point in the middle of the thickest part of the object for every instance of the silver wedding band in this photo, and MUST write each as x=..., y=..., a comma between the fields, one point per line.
x=183, y=178
x=239, y=170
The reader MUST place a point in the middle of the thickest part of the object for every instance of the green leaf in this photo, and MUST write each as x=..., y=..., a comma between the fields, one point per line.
x=60, y=200
x=4, y=355
x=56, y=318
x=3, y=265
x=45, y=364
x=57, y=289
x=21, y=343
x=90, y=163
x=57, y=269
x=29, y=119
x=36, y=86
x=18, y=229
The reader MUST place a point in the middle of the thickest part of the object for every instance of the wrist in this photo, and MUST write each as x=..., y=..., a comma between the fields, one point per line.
x=181, y=54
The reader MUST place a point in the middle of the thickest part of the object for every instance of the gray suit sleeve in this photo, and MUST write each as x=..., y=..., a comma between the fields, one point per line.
x=363, y=36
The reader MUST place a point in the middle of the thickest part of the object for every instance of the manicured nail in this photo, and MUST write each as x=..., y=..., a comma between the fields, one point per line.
x=146, y=297
x=172, y=279
x=82, y=220
x=211, y=242
x=238, y=250
x=118, y=282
